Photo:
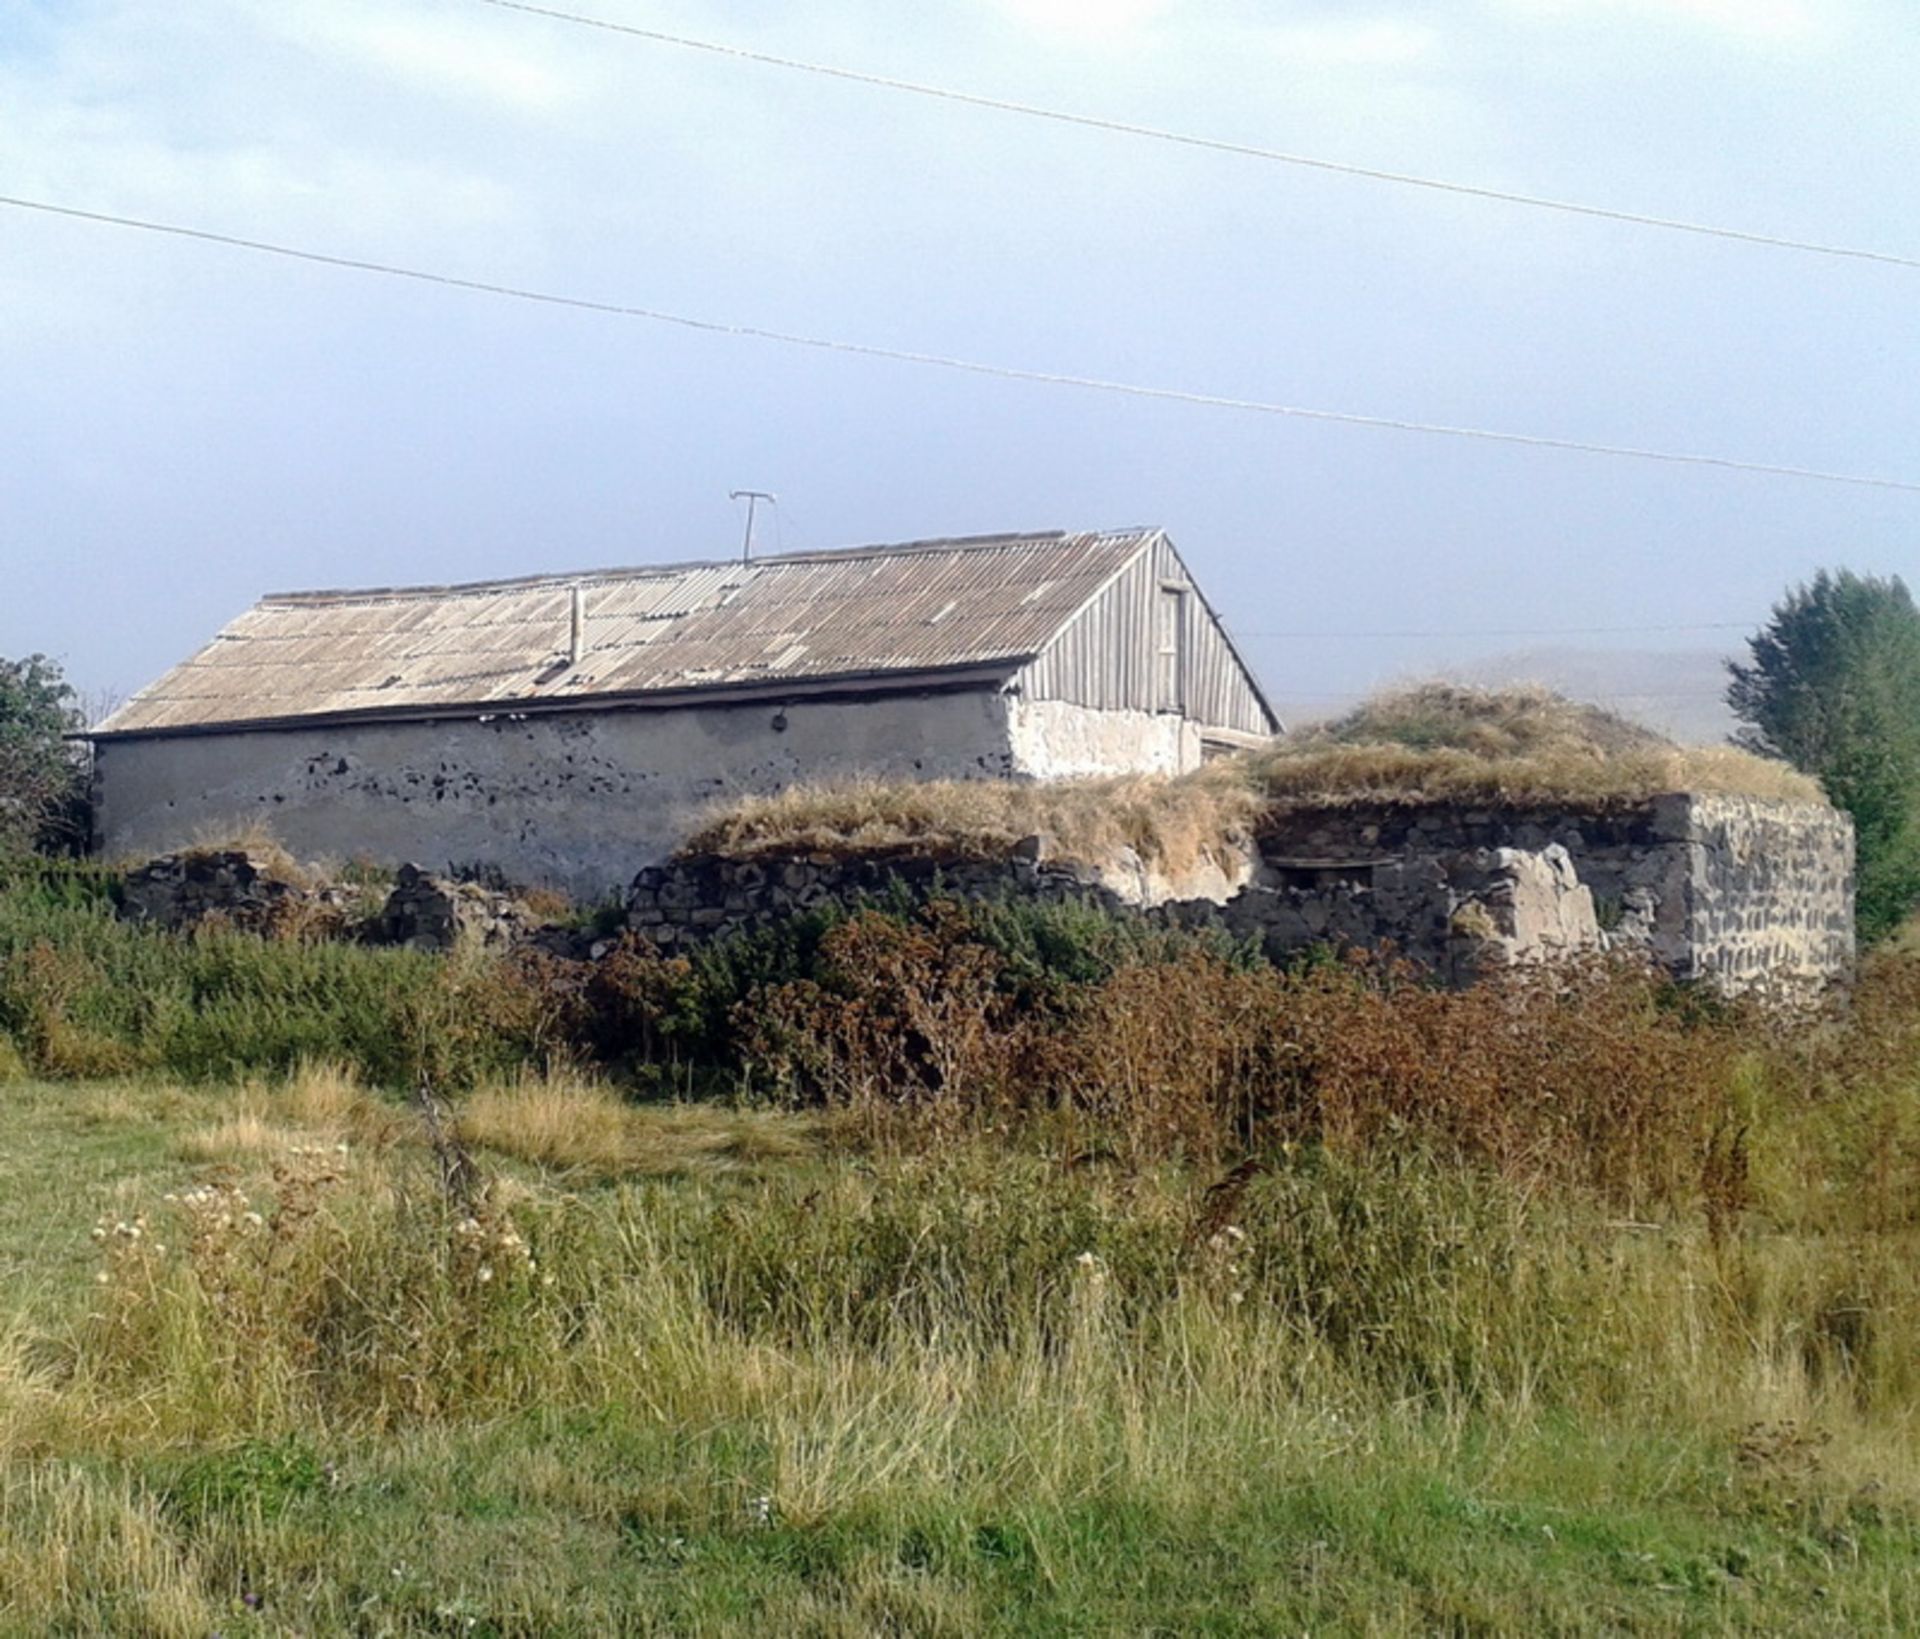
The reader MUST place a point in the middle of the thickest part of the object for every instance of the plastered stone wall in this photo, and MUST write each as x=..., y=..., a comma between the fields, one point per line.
x=1729, y=889
x=576, y=800
x=582, y=800
x=1055, y=739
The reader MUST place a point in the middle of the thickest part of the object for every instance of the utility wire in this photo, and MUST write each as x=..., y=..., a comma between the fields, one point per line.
x=1002, y=372
x=1219, y=145
x=1599, y=696
x=1528, y=631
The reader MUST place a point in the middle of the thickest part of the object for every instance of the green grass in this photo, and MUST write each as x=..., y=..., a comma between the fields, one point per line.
x=778, y=1385
x=84, y=994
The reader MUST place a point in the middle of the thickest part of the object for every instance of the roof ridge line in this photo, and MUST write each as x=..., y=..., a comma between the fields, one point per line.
x=840, y=554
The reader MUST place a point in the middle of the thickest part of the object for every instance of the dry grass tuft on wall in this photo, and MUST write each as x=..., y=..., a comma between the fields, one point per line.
x=1526, y=746
x=1171, y=823
x=258, y=841
x=1438, y=742
x=1525, y=720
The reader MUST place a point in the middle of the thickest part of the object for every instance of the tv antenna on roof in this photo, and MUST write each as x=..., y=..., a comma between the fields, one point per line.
x=753, y=497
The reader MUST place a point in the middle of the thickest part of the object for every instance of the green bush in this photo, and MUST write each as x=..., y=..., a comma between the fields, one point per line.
x=84, y=994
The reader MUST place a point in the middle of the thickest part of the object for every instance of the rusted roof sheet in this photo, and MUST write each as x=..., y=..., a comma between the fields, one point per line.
x=925, y=607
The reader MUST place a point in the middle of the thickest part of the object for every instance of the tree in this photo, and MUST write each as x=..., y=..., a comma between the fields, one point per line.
x=1833, y=686
x=42, y=774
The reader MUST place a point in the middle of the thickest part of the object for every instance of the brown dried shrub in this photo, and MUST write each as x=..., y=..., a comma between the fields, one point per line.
x=1583, y=1074
x=635, y=999
x=1586, y=1075
x=904, y=1016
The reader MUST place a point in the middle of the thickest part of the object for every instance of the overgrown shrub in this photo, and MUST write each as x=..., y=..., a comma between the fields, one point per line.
x=929, y=1020
x=83, y=994
x=1584, y=1073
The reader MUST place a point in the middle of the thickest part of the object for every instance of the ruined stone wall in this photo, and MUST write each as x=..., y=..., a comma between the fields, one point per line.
x=1768, y=889
x=1732, y=889
x=1458, y=915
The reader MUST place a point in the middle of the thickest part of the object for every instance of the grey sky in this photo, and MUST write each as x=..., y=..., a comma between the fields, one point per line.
x=183, y=427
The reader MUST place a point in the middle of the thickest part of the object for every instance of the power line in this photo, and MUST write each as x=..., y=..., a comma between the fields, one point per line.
x=1599, y=696
x=1525, y=631
x=1220, y=145
x=1002, y=372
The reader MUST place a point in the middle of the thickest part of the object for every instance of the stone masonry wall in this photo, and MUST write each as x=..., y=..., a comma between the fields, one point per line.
x=1732, y=889
x=1767, y=889
x=1458, y=915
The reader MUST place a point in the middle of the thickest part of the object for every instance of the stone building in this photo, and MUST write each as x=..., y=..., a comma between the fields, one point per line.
x=567, y=729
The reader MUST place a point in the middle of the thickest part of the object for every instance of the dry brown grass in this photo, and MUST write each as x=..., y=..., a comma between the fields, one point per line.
x=1446, y=742
x=1527, y=746
x=1524, y=720
x=1326, y=774
x=577, y=1125
x=554, y=1121
x=256, y=839
x=1171, y=823
x=1437, y=742
x=560, y=1120
x=319, y=1103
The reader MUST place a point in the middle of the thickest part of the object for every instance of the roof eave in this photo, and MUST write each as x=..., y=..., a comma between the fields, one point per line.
x=845, y=685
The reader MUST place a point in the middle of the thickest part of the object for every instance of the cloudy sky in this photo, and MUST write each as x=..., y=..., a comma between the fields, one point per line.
x=183, y=427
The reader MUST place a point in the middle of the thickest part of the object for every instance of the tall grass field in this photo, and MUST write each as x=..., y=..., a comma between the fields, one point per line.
x=1008, y=1274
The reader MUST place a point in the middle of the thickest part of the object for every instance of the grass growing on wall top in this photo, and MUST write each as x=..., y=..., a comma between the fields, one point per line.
x=1172, y=823
x=1529, y=747
x=1437, y=742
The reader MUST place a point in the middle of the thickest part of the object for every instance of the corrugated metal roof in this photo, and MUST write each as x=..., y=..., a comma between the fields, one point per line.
x=927, y=606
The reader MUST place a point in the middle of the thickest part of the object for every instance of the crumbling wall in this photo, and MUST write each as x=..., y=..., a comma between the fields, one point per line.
x=235, y=888
x=1732, y=889
x=1458, y=915
x=182, y=890
x=427, y=912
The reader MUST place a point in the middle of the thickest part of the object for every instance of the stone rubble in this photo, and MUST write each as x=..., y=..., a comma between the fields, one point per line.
x=178, y=891
x=427, y=912
x=236, y=888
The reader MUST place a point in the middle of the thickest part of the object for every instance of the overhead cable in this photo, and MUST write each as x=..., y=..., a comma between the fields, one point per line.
x=1002, y=372
x=1244, y=150
x=1527, y=631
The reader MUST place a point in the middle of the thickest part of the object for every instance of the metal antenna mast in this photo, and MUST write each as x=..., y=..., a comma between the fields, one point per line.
x=753, y=497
